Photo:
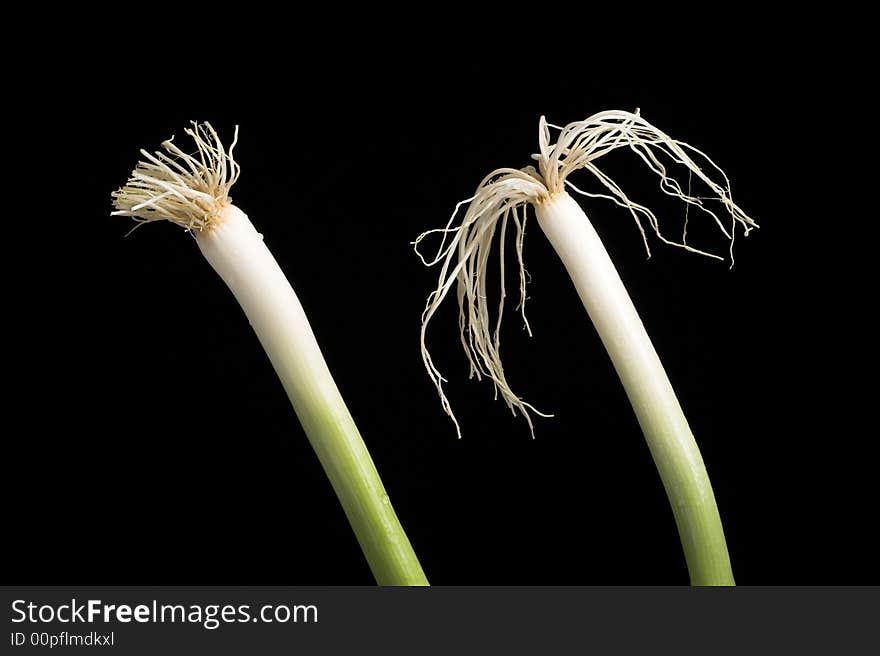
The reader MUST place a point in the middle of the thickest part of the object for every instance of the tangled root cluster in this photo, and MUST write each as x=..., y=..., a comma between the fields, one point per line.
x=186, y=189
x=503, y=198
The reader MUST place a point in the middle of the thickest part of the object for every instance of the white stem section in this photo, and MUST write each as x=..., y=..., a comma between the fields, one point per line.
x=660, y=416
x=237, y=253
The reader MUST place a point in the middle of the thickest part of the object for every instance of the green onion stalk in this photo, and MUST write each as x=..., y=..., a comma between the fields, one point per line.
x=192, y=190
x=500, y=206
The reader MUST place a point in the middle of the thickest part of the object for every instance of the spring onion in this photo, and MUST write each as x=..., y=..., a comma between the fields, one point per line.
x=192, y=191
x=501, y=201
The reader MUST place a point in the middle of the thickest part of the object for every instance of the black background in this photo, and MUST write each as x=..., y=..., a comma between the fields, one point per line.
x=150, y=442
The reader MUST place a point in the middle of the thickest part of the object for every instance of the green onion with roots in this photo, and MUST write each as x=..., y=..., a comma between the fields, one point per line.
x=193, y=192
x=500, y=202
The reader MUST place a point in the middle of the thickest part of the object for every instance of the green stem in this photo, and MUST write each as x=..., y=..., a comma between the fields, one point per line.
x=237, y=252
x=666, y=430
